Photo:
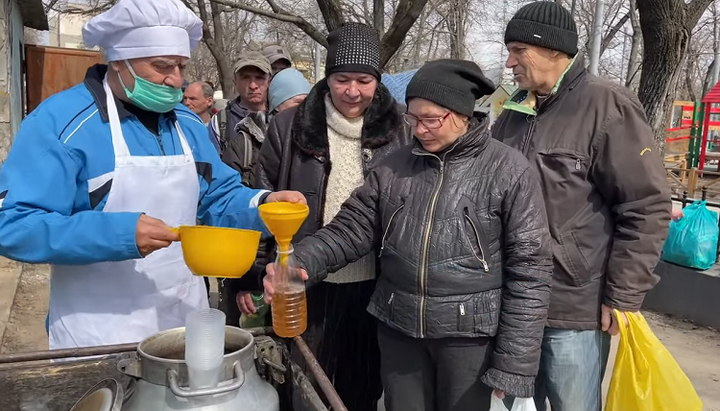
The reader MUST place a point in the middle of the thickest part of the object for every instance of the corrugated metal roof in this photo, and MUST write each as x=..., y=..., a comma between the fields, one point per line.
x=33, y=14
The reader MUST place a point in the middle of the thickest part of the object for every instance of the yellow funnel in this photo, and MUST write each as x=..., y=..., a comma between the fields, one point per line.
x=283, y=220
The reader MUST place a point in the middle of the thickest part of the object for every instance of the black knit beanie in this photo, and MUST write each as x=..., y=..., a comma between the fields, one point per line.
x=355, y=48
x=453, y=84
x=545, y=24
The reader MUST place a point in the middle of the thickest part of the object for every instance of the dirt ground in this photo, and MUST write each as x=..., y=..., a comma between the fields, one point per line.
x=696, y=349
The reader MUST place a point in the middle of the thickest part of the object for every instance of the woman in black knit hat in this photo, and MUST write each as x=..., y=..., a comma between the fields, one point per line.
x=458, y=222
x=324, y=148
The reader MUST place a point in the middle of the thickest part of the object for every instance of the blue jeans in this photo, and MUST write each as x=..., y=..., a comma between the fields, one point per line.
x=572, y=365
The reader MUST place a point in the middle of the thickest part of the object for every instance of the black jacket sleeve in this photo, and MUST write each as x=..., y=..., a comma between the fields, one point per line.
x=527, y=277
x=629, y=174
x=347, y=238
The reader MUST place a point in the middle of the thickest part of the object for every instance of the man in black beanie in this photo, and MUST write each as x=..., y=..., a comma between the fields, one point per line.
x=606, y=195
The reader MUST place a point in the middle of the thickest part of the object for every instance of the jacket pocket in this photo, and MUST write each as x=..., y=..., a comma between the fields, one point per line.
x=465, y=320
x=474, y=235
x=573, y=260
x=564, y=179
x=388, y=228
x=565, y=162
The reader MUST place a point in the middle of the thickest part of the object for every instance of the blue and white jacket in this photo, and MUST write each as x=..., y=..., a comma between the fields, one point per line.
x=55, y=181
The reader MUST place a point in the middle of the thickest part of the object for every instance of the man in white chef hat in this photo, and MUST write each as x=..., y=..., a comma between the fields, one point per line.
x=99, y=173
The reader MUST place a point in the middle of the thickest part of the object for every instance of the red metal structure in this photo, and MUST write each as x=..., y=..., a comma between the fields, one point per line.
x=710, y=99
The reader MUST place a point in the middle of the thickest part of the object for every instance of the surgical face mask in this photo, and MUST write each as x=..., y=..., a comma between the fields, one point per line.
x=149, y=96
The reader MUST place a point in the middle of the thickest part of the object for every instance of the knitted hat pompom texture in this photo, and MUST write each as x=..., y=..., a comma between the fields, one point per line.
x=545, y=24
x=453, y=84
x=354, y=48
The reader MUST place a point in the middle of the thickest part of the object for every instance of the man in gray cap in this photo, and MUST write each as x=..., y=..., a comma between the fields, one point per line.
x=238, y=132
x=278, y=57
x=252, y=78
x=607, y=199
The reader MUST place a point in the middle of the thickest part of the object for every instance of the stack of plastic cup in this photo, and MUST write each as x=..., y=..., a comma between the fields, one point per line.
x=204, y=347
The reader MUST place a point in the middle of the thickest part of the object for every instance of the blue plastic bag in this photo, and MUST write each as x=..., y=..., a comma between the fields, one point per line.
x=693, y=239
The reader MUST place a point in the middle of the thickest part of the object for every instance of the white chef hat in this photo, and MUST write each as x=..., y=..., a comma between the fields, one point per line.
x=144, y=28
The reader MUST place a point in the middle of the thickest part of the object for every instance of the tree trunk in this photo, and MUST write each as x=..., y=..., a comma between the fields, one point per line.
x=708, y=77
x=215, y=45
x=634, y=60
x=379, y=16
x=419, y=39
x=331, y=12
x=689, y=70
x=455, y=19
x=666, y=27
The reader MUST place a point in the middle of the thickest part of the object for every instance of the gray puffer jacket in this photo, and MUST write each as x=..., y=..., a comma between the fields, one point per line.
x=464, y=249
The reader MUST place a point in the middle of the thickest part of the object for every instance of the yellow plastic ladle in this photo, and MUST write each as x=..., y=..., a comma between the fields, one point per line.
x=217, y=251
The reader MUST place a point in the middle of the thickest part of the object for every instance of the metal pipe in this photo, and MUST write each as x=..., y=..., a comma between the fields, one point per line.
x=716, y=47
x=66, y=353
x=597, y=37
x=332, y=396
x=318, y=50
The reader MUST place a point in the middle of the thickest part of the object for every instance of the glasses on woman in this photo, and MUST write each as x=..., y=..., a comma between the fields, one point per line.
x=430, y=123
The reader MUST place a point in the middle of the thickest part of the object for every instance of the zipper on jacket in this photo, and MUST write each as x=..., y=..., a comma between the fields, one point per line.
x=392, y=297
x=248, y=151
x=426, y=240
x=578, y=166
x=481, y=257
x=387, y=229
x=528, y=136
x=462, y=308
x=160, y=144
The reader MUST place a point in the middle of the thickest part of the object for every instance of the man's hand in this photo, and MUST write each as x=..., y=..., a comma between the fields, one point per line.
x=677, y=214
x=152, y=234
x=268, y=281
x=286, y=196
x=245, y=302
x=608, y=321
x=499, y=394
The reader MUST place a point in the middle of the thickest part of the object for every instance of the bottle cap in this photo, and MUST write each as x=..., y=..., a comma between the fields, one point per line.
x=257, y=296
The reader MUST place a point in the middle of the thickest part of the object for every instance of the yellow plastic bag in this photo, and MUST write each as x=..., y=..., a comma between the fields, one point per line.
x=646, y=377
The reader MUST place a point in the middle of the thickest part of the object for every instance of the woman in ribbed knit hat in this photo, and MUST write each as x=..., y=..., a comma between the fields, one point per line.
x=465, y=264
x=324, y=148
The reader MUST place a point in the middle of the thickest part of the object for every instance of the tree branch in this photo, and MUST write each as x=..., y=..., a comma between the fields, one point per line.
x=694, y=10
x=281, y=15
x=406, y=14
x=613, y=32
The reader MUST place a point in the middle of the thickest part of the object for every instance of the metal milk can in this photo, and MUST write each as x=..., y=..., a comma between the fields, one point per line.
x=162, y=377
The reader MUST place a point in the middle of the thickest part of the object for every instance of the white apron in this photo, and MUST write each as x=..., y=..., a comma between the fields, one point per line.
x=127, y=301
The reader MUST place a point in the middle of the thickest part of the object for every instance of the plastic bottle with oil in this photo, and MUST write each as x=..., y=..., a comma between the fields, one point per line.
x=289, y=305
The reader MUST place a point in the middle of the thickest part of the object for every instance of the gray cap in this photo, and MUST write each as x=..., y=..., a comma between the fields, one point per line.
x=276, y=52
x=253, y=59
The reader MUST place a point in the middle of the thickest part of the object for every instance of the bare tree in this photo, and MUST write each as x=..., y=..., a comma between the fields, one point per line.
x=405, y=15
